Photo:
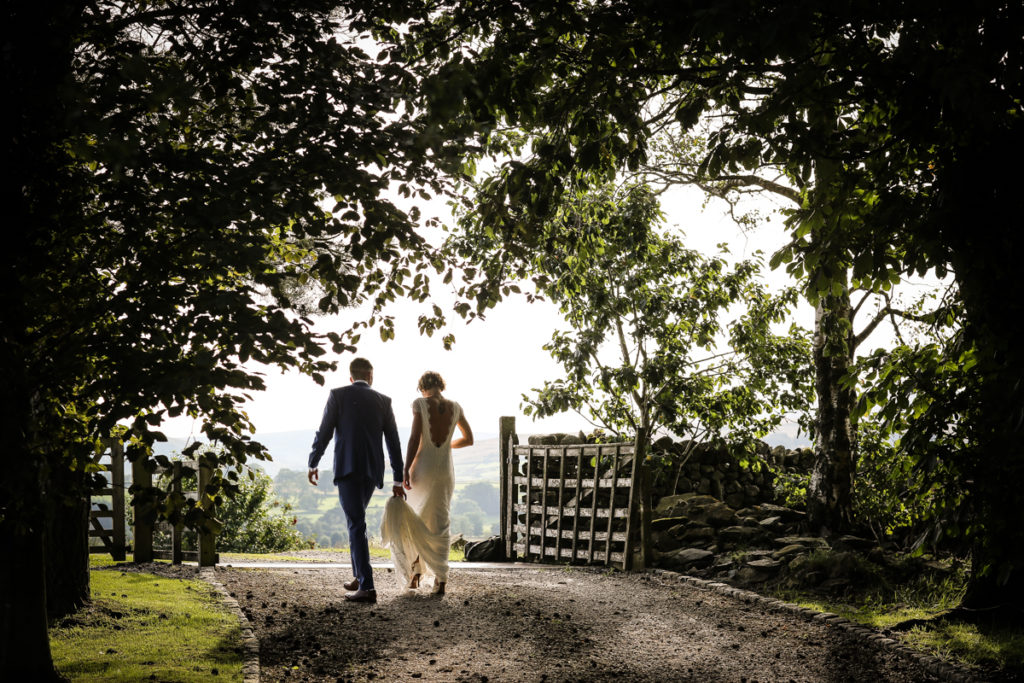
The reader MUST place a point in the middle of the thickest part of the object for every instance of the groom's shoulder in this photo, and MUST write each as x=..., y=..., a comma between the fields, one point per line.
x=365, y=389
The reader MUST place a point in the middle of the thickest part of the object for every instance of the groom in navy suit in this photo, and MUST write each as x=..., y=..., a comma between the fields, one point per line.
x=358, y=417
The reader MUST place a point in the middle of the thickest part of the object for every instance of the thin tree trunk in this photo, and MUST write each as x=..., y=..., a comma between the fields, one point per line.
x=829, y=495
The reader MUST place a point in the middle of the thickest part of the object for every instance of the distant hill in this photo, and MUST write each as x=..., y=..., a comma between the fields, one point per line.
x=478, y=462
x=290, y=450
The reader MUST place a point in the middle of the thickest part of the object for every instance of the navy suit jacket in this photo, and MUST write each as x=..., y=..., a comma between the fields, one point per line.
x=358, y=417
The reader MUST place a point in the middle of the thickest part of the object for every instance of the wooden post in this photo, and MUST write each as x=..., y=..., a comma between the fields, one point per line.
x=117, y=498
x=544, y=503
x=561, y=504
x=506, y=428
x=635, y=495
x=611, y=507
x=529, y=503
x=178, y=530
x=207, y=539
x=579, y=502
x=512, y=494
x=142, y=481
x=593, y=507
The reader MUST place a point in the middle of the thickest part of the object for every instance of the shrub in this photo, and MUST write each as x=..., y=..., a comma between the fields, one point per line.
x=256, y=521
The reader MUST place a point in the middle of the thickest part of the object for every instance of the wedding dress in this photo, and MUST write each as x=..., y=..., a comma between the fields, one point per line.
x=417, y=531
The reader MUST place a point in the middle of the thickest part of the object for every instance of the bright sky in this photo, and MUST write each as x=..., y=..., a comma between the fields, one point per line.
x=495, y=360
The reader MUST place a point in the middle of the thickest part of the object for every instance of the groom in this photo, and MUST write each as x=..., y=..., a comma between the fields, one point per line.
x=357, y=417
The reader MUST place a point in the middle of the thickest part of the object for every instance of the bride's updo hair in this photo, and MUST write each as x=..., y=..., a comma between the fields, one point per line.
x=430, y=380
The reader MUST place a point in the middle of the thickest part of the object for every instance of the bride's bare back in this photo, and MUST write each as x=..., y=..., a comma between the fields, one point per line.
x=440, y=415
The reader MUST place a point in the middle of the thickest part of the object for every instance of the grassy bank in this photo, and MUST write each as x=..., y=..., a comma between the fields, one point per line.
x=995, y=651
x=145, y=627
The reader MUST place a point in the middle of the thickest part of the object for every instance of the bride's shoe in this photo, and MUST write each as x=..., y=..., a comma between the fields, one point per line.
x=438, y=588
x=415, y=581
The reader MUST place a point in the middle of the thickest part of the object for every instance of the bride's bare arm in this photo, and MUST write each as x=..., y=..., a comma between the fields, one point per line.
x=467, y=434
x=413, y=449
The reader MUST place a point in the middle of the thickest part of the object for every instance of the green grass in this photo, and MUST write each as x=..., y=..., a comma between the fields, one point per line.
x=926, y=595
x=141, y=626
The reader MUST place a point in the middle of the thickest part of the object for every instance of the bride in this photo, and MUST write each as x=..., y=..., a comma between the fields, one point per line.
x=417, y=531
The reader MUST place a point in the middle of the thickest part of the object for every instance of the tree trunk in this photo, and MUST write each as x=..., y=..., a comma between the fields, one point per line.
x=67, y=546
x=24, y=643
x=986, y=258
x=829, y=501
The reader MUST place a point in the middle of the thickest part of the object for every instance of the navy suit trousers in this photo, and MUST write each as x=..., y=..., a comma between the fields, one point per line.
x=355, y=492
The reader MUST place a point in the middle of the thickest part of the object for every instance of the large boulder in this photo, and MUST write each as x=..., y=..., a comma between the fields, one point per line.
x=665, y=541
x=663, y=523
x=685, y=559
x=673, y=506
x=809, y=542
x=735, y=499
x=716, y=514
x=738, y=536
x=698, y=535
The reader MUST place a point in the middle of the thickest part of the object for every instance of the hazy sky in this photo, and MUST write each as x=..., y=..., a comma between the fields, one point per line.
x=495, y=360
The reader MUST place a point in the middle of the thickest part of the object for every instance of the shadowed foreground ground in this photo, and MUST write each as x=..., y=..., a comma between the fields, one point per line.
x=548, y=624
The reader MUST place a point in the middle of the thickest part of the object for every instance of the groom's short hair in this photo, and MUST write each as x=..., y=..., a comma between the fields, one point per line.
x=360, y=368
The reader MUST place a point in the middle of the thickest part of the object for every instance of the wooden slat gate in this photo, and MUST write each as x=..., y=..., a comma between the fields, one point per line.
x=113, y=539
x=577, y=503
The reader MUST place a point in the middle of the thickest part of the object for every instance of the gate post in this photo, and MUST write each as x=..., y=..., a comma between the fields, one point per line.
x=178, y=530
x=142, y=481
x=207, y=540
x=506, y=428
x=117, y=498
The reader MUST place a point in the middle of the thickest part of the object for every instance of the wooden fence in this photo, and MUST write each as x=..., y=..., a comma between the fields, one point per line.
x=145, y=524
x=112, y=539
x=576, y=503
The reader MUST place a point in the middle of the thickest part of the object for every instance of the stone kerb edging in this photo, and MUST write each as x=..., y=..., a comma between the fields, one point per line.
x=932, y=665
x=250, y=644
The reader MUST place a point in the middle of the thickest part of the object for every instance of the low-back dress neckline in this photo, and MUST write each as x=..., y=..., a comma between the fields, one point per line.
x=449, y=431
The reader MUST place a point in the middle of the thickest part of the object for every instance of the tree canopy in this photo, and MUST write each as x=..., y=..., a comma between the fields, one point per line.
x=890, y=120
x=179, y=168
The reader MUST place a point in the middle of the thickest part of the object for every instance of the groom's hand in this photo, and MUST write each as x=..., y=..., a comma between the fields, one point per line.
x=397, y=491
x=314, y=476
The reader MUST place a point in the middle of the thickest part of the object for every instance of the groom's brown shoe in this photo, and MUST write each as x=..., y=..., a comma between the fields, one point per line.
x=362, y=596
x=352, y=585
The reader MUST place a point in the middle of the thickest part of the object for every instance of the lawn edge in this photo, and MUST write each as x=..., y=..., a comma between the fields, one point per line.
x=250, y=643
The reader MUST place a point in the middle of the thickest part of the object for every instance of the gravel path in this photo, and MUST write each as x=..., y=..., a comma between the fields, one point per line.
x=543, y=624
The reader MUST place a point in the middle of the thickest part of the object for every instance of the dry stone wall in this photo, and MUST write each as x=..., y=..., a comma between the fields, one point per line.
x=717, y=517
x=706, y=470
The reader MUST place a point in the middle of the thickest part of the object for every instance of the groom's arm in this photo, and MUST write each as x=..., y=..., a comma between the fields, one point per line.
x=394, y=449
x=323, y=436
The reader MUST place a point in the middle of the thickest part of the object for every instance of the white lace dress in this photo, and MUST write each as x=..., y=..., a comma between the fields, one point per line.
x=419, y=528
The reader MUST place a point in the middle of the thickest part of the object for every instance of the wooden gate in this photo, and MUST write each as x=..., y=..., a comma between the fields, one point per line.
x=576, y=503
x=113, y=539
x=145, y=518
